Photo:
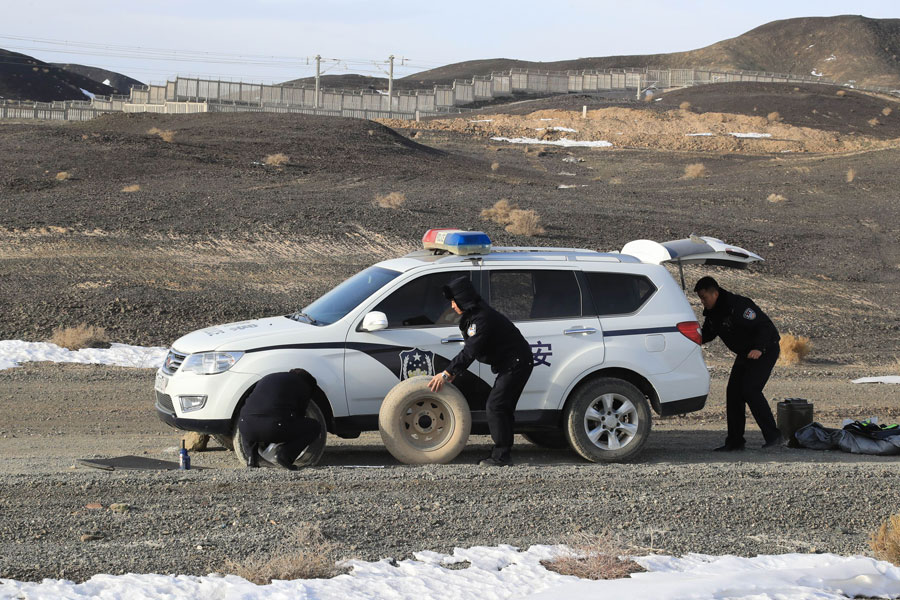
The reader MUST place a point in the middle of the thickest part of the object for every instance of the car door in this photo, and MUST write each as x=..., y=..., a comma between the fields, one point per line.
x=421, y=338
x=554, y=314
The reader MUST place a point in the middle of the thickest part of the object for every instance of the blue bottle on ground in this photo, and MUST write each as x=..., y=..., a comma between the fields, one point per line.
x=184, y=461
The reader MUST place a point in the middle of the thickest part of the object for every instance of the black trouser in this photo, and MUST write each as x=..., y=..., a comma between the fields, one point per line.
x=745, y=386
x=501, y=406
x=294, y=434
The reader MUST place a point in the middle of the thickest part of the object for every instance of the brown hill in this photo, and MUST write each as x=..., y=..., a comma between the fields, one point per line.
x=23, y=77
x=842, y=48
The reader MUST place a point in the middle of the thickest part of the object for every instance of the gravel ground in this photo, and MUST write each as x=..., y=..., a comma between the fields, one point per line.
x=679, y=497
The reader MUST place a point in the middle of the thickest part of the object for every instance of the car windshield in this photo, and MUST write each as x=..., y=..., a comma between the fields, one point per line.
x=335, y=304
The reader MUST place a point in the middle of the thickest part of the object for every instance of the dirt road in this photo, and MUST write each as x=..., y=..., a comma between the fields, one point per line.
x=678, y=497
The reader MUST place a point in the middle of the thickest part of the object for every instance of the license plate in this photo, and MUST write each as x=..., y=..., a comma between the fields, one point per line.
x=161, y=382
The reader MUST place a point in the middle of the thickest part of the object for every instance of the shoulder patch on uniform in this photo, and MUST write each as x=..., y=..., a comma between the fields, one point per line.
x=471, y=330
x=749, y=314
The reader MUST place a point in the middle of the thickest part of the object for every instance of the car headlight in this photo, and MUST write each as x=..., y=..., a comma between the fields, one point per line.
x=210, y=363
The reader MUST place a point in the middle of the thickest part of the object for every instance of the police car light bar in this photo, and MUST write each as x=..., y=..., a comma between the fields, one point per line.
x=457, y=241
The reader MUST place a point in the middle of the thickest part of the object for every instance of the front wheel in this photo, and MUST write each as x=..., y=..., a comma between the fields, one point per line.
x=310, y=456
x=608, y=420
x=419, y=426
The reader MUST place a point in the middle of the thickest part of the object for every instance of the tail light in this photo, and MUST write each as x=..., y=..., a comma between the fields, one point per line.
x=691, y=330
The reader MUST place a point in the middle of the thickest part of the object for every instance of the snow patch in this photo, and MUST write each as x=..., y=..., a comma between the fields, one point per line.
x=565, y=142
x=481, y=121
x=87, y=93
x=815, y=73
x=705, y=133
x=555, y=128
x=15, y=352
x=883, y=379
x=504, y=572
x=751, y=135
x=106, y=82
x=831, y=58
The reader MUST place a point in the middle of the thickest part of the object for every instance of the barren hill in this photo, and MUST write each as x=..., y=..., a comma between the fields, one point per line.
x=23, y=77
x=841, y=48
x=120, y=83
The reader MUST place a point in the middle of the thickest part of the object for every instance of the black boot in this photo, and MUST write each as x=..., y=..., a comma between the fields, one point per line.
x=250, y=451
x=728, y=447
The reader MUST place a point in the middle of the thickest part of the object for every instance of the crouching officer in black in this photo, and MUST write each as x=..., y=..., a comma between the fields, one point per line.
x=492, y=339
x=751, y=335
x=273, y=422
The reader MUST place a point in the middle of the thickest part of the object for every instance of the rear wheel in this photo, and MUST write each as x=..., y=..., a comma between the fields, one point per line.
x=608, y=420
x=419, y=426
x=309, y=457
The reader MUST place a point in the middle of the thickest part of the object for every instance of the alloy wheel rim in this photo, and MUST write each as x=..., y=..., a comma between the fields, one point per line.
x=611, y=421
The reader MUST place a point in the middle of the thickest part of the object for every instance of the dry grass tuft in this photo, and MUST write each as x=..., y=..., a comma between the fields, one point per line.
x=524, y=222
x=166, y=135
x=694, y=171
x=304, y=555
x=774, y=116
x=851, y=175
x=886, y=111
x=841, y=93
x=80, y=336
x=776, y=198
x=685, y=105
x=873, y=122
x=495, y=166
x=277, y=160
x=499, y=213
x=63, y=175
x=131, y=188
x=885, y=542
x=392, y=200
x=615, y=181
x=794, y=348
x=595, y=557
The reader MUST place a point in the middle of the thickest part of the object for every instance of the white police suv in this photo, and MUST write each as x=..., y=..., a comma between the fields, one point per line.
x=612, y=336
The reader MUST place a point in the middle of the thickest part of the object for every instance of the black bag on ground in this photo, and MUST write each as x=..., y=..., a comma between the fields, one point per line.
x=855, y=438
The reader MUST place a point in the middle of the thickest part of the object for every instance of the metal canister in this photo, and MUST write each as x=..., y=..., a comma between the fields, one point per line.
x=793, y=413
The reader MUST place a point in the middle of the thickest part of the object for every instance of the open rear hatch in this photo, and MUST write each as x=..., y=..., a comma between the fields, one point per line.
x=693, y=250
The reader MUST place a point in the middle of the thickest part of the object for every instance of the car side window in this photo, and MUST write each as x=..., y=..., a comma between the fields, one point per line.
x=421, y=302
x=524, y=295
x=619, y=293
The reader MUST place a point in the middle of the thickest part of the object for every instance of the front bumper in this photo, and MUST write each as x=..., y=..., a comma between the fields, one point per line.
x=166, y=414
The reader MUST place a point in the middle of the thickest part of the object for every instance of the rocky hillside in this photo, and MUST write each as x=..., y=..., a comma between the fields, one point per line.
x=842, y=48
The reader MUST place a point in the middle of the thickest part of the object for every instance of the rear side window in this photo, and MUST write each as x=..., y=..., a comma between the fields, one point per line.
x=531, y=295
x=421, y=302
x=619, y=293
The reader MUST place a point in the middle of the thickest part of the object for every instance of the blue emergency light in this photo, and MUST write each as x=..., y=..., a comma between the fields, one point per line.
x=457, y=241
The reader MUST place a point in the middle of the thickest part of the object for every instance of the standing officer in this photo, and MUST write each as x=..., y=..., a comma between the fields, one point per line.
x=492, y=339
x=751, y=335
x=273, y=421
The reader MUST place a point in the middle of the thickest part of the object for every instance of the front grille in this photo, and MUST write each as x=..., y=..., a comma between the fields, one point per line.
x=164, y=401
x=173, y=362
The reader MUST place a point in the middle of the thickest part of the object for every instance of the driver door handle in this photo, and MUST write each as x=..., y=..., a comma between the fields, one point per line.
x=452, y=339
x=577, y=330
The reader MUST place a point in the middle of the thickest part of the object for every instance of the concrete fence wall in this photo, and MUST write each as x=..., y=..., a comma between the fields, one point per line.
x=189, y=95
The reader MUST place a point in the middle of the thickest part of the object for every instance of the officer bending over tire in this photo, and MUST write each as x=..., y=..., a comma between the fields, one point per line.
x=273, y=422
x=750, y=334
x=492, y=339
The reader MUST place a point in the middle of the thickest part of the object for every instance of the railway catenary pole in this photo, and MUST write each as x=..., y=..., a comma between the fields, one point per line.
x=391, y=83
x=318, y=72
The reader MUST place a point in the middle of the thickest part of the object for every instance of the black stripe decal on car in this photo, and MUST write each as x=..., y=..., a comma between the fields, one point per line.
x=474, y=388
x=639, y=331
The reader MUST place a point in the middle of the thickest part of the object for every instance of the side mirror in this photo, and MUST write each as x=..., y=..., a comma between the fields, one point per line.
x=374, y=321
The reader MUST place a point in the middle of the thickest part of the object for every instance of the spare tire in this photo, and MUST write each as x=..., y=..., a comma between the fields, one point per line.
x=420, y=427
x=310, y=456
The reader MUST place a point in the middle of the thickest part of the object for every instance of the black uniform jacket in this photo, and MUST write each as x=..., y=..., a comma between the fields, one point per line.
x=741, y=324
x=490, y=338
x=281, y=396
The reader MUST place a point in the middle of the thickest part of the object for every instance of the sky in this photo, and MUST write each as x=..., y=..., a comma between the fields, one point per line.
x=275, y=40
